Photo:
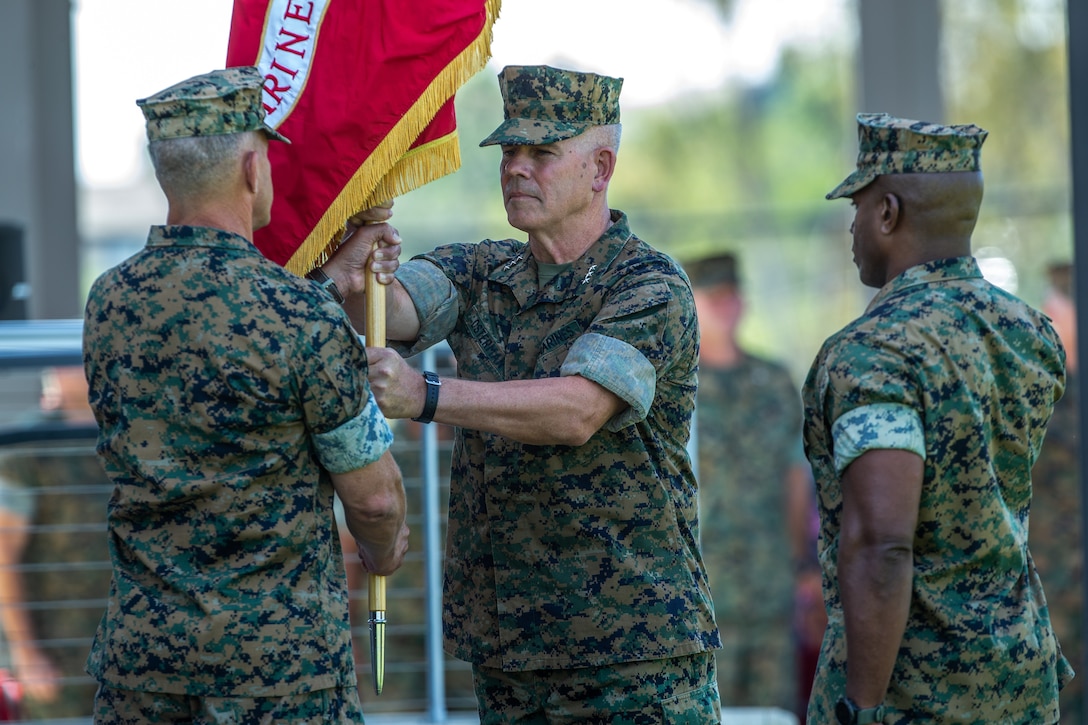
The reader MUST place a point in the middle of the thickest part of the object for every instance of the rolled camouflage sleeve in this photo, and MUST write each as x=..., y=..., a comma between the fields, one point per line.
x=638, y=344
x=877, y=410
x=347, y=429
x=436, y=302
x=620, y=368
x=876, y=427
x=357, y=443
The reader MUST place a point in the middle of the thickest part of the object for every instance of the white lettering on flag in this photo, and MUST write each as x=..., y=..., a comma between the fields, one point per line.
x=287, y=48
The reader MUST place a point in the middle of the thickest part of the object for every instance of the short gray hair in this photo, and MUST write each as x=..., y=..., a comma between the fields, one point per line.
x=195, y=165
x=597, y=136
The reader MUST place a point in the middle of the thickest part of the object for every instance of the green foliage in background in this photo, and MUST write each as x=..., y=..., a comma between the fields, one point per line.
x=1005, y=68
x=745, y=169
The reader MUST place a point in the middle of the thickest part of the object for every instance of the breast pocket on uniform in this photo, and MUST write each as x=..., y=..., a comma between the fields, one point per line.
x=487, y=344
x=554, y=348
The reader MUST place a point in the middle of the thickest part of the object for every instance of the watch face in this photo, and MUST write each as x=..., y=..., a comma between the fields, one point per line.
x=844, y=713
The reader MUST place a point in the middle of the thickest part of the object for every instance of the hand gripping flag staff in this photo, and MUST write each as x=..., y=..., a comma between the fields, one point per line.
x=364, y=89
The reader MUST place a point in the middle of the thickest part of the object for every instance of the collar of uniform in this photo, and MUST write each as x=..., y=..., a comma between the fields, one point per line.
x=521, y=275
x=180, y=235
x=939, y=270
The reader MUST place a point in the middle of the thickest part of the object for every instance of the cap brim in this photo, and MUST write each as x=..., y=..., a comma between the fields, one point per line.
x=532, y=132
x=274, y=134
x=853, y=183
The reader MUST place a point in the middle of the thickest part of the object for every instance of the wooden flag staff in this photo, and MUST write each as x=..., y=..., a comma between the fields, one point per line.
x=375, y=337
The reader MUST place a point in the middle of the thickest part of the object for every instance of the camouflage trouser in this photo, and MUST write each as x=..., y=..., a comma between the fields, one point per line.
x=677, y=690
x=116, y=706
x=757, y=666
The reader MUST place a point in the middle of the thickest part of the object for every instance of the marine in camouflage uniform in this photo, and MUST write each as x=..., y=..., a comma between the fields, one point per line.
x=231, y=397
x=573, y=578
x=941, y=390
x=754, y=492
x=573, y=526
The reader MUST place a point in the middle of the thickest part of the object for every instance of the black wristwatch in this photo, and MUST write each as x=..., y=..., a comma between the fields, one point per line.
x=325, y=281
x=847, y=712
x=429, y=405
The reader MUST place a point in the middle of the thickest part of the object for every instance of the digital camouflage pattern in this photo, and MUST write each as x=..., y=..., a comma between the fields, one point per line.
x=890, y=145
x=675, y=690
x=543, y=105
x=213, y=104
x=1055, y=539
x=749, y=432
x=115, y=706
x=216, y=377
x=563, y=556
x=983, y=370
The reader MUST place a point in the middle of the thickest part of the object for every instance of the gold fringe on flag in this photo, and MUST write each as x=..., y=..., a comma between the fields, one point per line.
x=394, y=168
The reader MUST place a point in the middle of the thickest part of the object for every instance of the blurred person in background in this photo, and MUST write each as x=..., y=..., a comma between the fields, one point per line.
x=52, y=489
x=1055, y=534
x=755, y=497
x=923, y=419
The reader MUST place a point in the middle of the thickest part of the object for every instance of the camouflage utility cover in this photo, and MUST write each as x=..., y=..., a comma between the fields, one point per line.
x=890, y=145
x=543, y=105
x=720, y=269
x=213, y=104
x=982, y=370
x=225, y=389
x=571, y=556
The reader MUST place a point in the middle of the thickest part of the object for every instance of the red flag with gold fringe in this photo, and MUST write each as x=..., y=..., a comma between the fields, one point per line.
x=364, y=90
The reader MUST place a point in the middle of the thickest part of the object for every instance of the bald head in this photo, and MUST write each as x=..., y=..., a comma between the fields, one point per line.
x=937, y=212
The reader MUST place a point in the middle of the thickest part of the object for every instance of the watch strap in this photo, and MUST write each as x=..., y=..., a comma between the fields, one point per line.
x=847, y=712
x=870, y=715
x=325, y=282
x=430, y=404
